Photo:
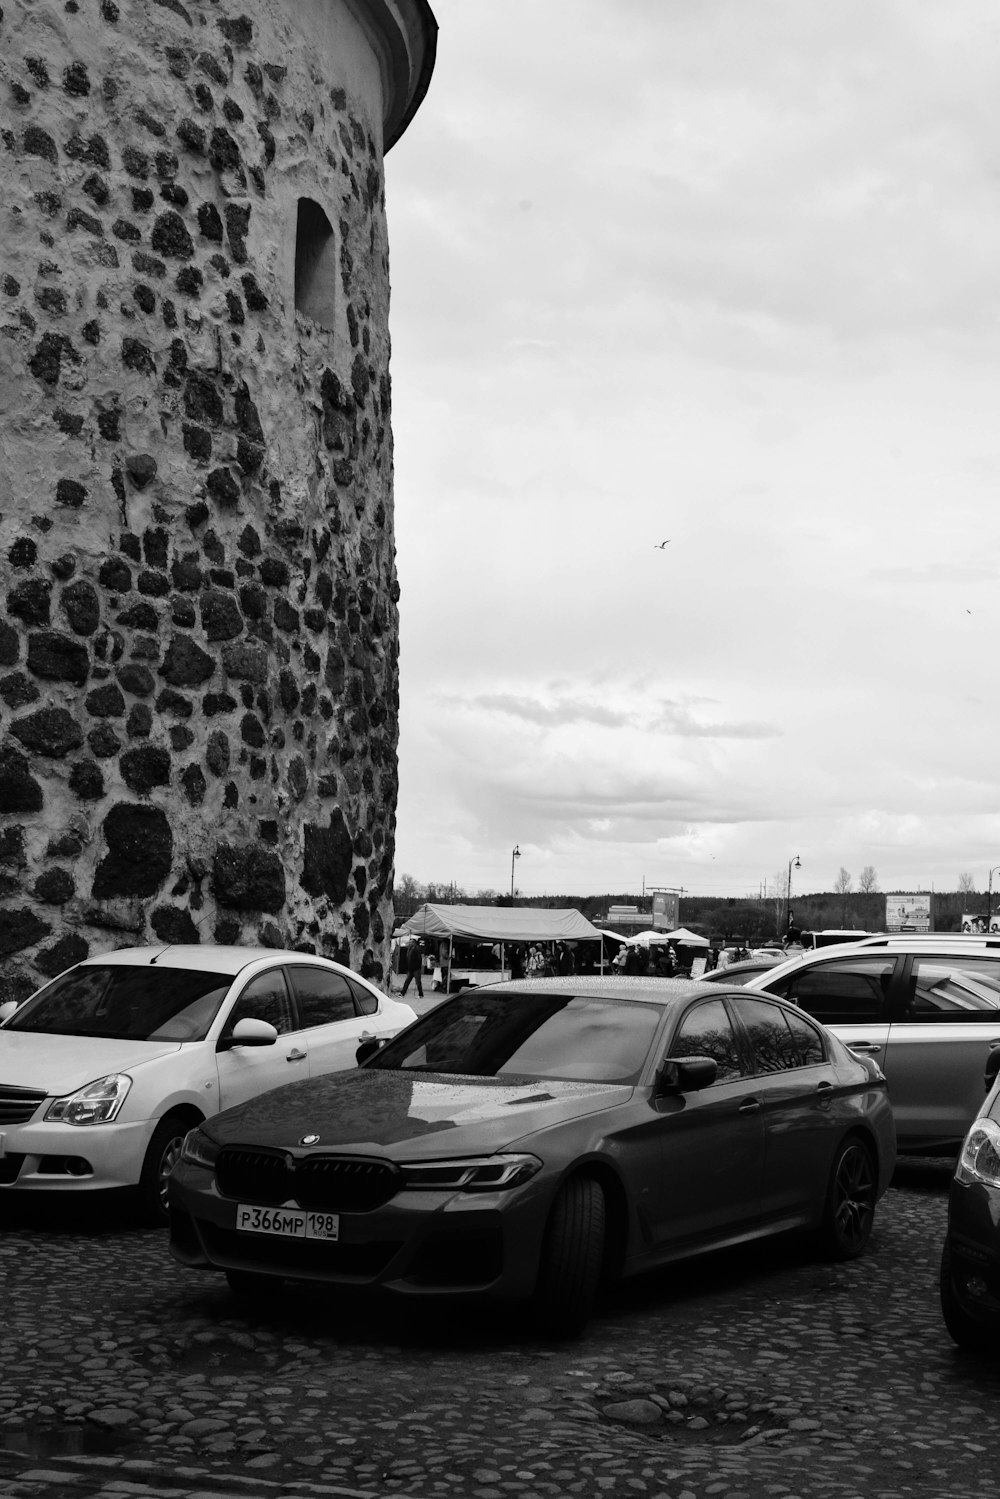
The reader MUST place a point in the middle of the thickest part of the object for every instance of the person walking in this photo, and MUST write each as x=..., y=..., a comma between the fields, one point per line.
x=414, y=965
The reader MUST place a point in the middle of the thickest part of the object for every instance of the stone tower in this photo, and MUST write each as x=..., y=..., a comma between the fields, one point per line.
x=198, y=623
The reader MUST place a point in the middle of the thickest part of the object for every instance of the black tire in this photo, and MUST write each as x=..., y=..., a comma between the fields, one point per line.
x=569, y=1271
x=970, y=1335
x=850, y=1201
x=252, y=1285
x=161, y=1156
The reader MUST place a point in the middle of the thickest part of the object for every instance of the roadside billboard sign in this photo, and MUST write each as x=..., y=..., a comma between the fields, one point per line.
x=909, y=913
x=666, y=910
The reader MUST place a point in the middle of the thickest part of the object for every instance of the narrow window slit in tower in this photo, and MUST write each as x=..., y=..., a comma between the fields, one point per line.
x=315, y=264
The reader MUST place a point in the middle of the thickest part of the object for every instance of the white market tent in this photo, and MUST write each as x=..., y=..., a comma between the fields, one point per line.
x=691, y=939
x=501, y=924
x=681, y=936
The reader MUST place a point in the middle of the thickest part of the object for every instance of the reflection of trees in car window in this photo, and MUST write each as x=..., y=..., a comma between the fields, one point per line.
x=808, y=1040
x=264, y=998
x=706, y=1031
x=773, y=1044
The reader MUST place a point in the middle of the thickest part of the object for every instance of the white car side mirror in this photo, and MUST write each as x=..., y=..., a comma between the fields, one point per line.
x=250, y=1033
x=8, y=1009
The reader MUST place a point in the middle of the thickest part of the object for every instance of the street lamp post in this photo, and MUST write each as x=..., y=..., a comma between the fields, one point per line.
x=989, y=894
x=794, y=863
x=515, y=853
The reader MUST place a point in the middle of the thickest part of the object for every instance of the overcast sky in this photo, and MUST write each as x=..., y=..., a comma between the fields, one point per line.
x=724, y=273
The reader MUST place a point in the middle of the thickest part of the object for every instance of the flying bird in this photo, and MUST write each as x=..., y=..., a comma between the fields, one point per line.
x=662, y=545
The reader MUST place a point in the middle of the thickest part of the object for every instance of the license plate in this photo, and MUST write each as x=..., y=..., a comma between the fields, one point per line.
x=288, y=1223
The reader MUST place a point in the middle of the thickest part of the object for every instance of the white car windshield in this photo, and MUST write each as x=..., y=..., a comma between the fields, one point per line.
x=126, y=1003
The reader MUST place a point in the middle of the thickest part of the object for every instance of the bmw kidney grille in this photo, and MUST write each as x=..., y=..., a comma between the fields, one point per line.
x=328, y=1184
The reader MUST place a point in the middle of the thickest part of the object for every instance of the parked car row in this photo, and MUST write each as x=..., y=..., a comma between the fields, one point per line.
x=524, y=1141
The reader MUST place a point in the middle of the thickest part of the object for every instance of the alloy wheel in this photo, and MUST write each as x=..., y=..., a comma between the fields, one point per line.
x=854, y=1189
x=168, y=1160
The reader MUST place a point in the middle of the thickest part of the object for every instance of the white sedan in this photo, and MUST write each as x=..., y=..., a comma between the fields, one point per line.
x=104, y=1070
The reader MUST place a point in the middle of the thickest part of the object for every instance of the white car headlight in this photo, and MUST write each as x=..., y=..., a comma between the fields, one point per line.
x=97, y=1103
x=980, y=1157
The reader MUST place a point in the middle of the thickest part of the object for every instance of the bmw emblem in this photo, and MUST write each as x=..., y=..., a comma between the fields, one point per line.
x=309, y=1140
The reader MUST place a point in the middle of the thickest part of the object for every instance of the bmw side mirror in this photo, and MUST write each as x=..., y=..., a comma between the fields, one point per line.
x=8, y=1009
x=249, y=1033
x=686, y=1074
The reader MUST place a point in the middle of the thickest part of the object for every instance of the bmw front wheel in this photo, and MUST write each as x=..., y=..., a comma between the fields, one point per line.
x=572, y=1258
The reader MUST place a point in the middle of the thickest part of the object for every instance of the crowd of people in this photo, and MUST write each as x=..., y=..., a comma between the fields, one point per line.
x=657, y=960
x=560, y=959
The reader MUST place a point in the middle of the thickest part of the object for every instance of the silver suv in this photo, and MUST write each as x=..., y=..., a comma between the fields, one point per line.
x=926, y=1007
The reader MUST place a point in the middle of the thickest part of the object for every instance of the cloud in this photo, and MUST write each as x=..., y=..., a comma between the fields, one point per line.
x=647, y=714
x=675, y=718
x=548, y=715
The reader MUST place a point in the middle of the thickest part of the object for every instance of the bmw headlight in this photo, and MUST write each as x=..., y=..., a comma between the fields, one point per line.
x=980, y=1157
x=199, y=1149
x=97, y=1103
x=488, y=1173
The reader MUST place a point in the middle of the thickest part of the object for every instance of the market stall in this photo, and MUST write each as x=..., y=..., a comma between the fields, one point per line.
x=495, y=926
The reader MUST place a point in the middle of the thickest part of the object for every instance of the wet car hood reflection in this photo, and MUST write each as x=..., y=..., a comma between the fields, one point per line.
x=374, y=1109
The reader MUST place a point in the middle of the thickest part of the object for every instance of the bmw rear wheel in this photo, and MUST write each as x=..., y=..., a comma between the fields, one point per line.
x=850, y=1201
x=572, y=1258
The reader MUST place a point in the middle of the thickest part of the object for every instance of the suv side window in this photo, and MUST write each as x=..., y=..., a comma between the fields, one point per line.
x=775, y=1047
x=322, y=996
x=845, y=991
x=952, y=989
x=707, y=1031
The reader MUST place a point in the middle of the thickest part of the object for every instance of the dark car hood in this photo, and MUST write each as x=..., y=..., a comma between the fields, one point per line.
x=416, y=1114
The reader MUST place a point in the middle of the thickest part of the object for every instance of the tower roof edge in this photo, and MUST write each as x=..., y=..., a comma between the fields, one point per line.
x=406, y=35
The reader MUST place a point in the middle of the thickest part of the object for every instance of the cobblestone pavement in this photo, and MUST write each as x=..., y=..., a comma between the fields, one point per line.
x=763, y=1372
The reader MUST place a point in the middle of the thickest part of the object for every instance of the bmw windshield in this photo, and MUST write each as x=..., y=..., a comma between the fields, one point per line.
x=480, y=1034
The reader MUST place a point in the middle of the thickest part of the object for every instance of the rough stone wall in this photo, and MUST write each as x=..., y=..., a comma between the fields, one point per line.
x=198, y=626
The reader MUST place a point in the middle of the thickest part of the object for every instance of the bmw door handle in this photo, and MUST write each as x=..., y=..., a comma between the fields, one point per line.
x=296, y=1056
x=749, y=1106
x=866, y=1048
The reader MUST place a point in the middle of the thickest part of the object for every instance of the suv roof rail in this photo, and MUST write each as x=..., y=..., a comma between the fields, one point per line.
x=966, y=939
